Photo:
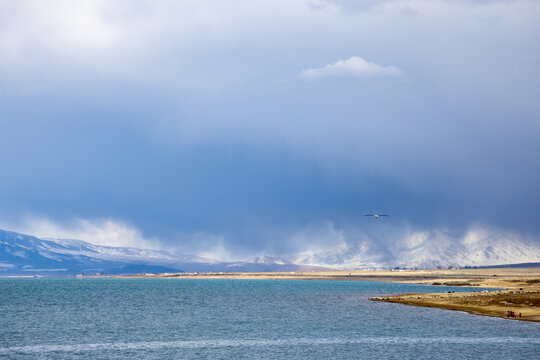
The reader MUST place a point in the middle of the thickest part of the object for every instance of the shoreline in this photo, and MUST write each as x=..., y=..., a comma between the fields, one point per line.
x=521, y=294
x=509, y=278
x=492, y=303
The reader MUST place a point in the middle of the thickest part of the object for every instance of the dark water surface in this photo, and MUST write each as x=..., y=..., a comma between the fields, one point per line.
x=218, y=319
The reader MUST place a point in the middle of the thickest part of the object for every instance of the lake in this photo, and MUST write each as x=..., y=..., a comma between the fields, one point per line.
x=225, y=319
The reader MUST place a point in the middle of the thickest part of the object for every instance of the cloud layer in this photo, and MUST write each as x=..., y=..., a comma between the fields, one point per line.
x=353, y=67
x=188, y=122
x=99, y=232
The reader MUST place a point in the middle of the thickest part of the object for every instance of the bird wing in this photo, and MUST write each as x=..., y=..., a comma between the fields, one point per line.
x=369, y=215
x=384, y=215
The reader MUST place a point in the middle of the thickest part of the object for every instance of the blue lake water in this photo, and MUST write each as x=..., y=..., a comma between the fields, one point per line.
x=225, y=319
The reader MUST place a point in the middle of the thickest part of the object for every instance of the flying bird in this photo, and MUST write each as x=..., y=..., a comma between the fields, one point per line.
x=376, y=216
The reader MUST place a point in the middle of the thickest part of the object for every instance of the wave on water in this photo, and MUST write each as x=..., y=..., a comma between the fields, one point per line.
x=223, y=343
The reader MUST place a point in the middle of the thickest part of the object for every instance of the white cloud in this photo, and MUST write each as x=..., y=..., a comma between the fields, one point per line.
x=105, y=232
x=204, y=244
x=478, y=246
x=317, y=236
x=353, y=67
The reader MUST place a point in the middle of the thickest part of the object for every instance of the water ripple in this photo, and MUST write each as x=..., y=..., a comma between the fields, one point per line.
x=223, y=343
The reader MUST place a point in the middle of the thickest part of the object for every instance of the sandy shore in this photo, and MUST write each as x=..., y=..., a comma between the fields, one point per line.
x=521, y=297
x=493, y=303
x=522, y=294
x=495, y=278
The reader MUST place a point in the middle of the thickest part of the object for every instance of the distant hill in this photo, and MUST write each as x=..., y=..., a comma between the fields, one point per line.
x=521, y=265
x=22, y=254
x=427, y=250
x=28, y=255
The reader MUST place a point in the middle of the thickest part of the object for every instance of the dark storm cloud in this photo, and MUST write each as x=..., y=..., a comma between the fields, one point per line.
x=218, y=134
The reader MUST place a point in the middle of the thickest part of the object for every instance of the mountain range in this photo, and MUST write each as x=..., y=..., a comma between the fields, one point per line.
x=29, y=255
x=428, y=250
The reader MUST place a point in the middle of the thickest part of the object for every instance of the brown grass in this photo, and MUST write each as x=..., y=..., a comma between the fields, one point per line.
x=493, y=303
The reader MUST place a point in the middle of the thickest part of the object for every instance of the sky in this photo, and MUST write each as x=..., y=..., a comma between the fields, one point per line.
x=240, y=128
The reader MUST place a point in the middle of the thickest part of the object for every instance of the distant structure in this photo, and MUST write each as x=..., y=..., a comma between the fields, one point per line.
x=376, y=216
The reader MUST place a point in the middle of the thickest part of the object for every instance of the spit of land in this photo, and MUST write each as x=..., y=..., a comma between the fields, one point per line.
x=521, y=294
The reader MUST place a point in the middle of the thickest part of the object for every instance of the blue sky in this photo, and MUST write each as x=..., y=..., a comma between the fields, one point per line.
x=239, y=128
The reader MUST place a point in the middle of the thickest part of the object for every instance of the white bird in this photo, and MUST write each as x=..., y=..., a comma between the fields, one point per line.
x=376, y=216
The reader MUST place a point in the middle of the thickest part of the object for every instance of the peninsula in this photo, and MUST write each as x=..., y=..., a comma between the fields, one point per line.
x=521, y=286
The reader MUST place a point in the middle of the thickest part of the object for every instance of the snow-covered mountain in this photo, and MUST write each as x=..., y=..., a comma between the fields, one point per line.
x=25, y=254
x=428, y=250
x=22, y=254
